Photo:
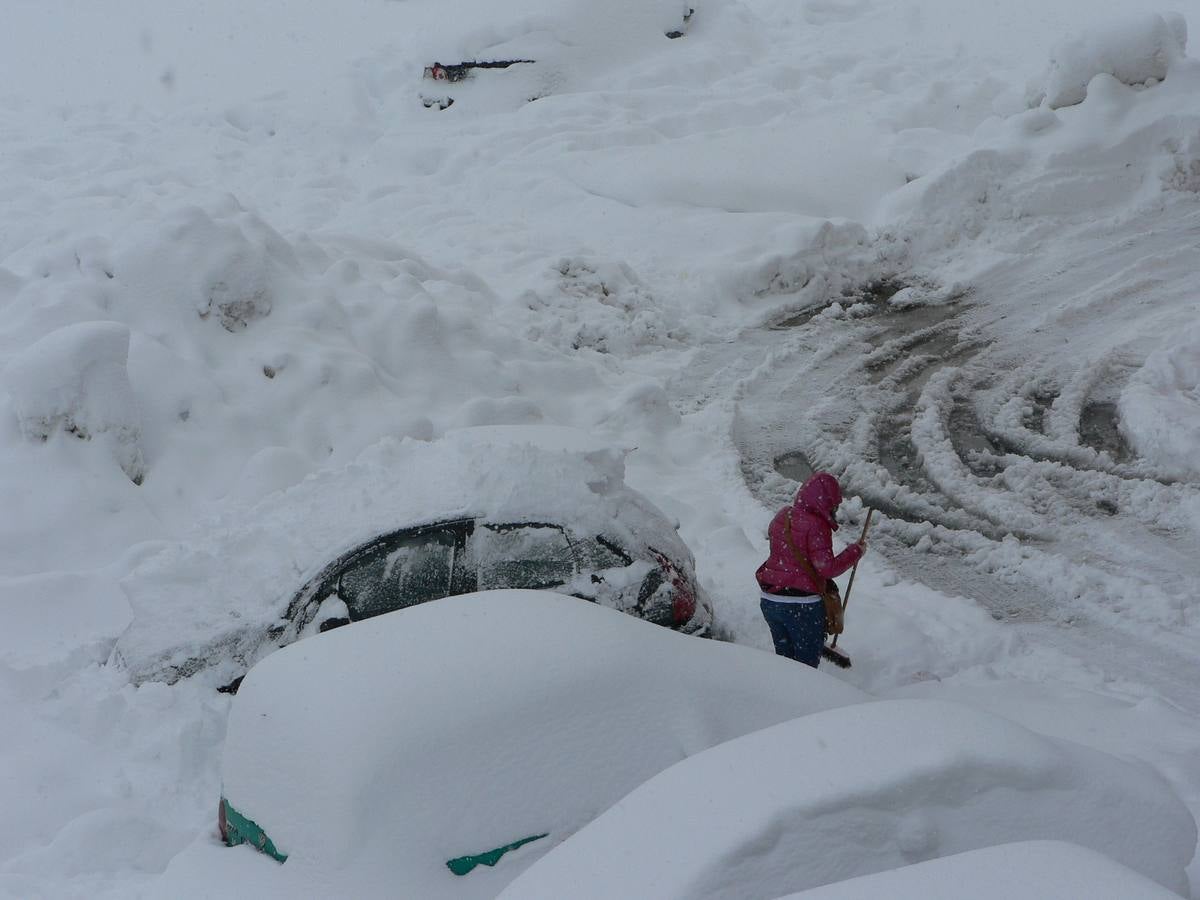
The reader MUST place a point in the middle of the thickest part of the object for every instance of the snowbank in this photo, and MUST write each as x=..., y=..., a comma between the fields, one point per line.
x=466, y=724
x=858, y=790
x=1160, y=406
x=1048, y=870
x=1139, y=50
x=209, y=600
x=75, y=381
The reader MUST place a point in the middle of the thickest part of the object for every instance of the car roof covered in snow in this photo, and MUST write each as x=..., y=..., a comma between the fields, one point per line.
x=217, y=591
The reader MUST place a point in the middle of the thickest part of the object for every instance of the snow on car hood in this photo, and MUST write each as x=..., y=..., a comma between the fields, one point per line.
x=209, y=599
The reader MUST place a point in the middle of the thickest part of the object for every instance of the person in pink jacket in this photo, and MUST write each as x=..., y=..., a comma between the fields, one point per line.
x=798, y=570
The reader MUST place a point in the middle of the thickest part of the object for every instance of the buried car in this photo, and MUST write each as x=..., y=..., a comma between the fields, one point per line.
x=501, y=56
x=440, y=750
x=862, y=789
x=534, y=507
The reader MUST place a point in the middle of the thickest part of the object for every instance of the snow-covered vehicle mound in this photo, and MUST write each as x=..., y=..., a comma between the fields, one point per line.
x=862, y=789
x=437, y=751
x=492, y=57
x=1138, y=51
x=409, y=521
x=1048, y=870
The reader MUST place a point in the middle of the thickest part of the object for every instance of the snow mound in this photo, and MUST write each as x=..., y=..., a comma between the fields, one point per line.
x=224, y=264
x=576, y=704
x=1160, y=406
x=598, y=305
x=1139, y=50
x=1050, y=870
x=779, y=805
x=75, y=381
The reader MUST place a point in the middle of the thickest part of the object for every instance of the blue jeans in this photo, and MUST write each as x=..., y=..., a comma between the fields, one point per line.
x=798, y=629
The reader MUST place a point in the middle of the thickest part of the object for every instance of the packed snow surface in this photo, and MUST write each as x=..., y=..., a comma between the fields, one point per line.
x=944, y=249
x=468, y=723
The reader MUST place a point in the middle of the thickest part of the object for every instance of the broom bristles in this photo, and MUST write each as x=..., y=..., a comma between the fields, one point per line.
x=835, y=656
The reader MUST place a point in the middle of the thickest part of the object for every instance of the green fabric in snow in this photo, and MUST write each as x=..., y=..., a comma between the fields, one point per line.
x=240, y=830
x=461, y=865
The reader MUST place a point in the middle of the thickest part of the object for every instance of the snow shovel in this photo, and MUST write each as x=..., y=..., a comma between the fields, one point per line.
x=830, y=651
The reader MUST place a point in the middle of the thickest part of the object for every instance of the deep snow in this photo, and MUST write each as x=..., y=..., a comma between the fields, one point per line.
x=823, y=787
x=511, y=714
x=235, y=250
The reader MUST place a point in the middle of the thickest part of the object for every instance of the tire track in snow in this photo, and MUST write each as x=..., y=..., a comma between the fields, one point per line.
x=989, y=438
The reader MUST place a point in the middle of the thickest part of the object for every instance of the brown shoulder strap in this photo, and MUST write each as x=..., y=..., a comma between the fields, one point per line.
x=804, y=564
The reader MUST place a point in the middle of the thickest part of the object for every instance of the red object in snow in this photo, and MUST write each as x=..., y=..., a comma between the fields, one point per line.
x=812, y=524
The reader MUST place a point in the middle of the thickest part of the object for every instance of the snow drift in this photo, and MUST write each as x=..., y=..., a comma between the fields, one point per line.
x=823, y=798
x=1049, y=870
x=1139, y=50
x=75, y=381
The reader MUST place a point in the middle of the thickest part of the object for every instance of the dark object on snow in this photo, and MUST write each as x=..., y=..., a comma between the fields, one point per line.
x=797, y=628
x=459, y=71
x=237, y=829
x=835, y=656
x=678, y=33
x=463, y=865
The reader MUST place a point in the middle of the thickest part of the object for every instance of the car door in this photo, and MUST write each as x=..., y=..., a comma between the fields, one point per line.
x=532, y=555
x=402, y=569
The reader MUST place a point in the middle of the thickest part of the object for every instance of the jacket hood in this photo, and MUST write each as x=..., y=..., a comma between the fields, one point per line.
x=822, y=495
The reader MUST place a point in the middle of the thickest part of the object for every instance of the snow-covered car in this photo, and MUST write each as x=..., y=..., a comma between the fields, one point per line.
x=861, y=789
x=439, y=750
x=504, y=55
x=533, y=507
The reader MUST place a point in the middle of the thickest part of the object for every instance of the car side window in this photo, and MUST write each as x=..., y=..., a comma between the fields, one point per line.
x=531, y=556
x=599, y=553
x=401, y=571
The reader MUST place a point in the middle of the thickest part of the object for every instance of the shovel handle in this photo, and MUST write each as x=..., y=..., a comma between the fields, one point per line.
x=854, y=571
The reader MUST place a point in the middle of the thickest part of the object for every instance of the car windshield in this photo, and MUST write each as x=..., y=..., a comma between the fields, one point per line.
x=522, y=556
x=400, y=572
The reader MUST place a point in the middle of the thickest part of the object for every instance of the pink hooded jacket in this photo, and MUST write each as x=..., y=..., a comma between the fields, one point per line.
x=812, y=524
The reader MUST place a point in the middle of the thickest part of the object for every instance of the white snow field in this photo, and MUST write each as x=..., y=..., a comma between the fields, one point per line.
x=466, y=724
x=943, y=249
